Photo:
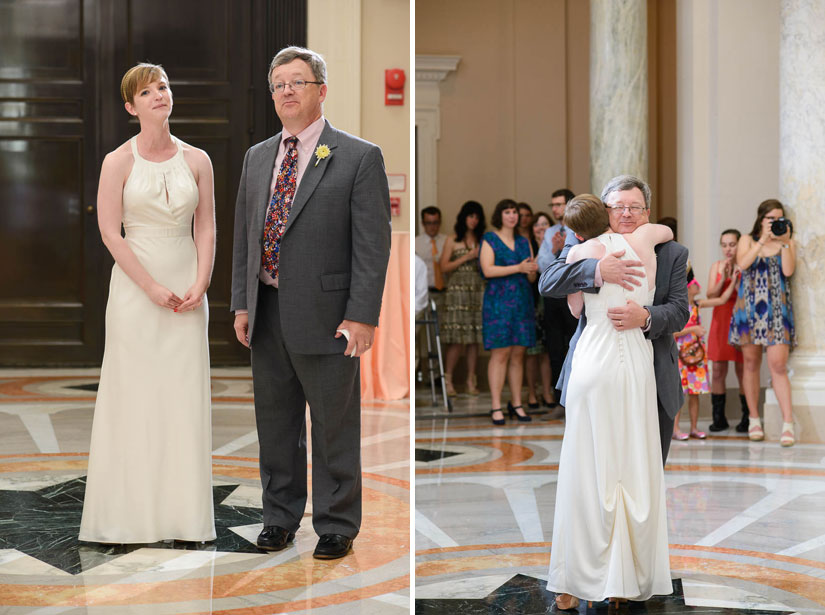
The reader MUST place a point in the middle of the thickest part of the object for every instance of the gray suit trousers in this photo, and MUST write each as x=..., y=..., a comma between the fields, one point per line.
x=283, y=383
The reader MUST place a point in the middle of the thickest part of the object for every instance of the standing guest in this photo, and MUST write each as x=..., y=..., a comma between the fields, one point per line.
x=525, y=222
x=461, y=327
x=559, y=323
x=429, y=245
x=507, y=317
x=150, y=461
x=307, y=309
x=538, y=361
x=763, y=314
x=719, y=351
x=692, y=360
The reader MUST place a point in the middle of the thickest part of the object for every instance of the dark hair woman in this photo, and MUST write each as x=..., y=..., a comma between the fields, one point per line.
x=508, y=319
x=763, y=314
x=461, y=325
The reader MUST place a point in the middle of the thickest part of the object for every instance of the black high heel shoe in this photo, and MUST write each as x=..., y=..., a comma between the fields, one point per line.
x=523, y=418
x=548, y=404
x=534, y=406
x=500, y=421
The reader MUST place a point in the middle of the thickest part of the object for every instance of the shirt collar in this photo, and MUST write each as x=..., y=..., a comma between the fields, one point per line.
x=308, y=136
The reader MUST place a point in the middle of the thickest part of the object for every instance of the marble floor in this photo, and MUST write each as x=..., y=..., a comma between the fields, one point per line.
x=745, y=520
x=45, y=423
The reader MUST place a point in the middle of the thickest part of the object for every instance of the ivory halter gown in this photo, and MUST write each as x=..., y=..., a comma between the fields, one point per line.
x=610, y=525
x=150, y=465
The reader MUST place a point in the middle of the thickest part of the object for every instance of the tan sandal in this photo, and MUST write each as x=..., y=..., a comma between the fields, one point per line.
x=566, y=602
x=448, y=381
x=787, y=438
x=755, y=432
x=472, y=388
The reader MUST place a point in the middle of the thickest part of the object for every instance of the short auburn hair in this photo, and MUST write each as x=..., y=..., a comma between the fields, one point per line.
x=138, y=77
x=586, y=215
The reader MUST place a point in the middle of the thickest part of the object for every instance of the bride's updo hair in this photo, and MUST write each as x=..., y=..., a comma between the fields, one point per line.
x=586, y=215
x=138, y=77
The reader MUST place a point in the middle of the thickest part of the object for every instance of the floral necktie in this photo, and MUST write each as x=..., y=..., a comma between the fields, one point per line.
x=278, y=212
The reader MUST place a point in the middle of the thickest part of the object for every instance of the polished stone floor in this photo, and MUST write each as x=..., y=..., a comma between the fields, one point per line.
x=746, y=521
x=45, y=423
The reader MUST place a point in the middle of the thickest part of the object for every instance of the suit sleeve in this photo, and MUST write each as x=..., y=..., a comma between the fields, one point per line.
x=672, y=315
x=240, y=247
x=371, y=236
x=561, y=278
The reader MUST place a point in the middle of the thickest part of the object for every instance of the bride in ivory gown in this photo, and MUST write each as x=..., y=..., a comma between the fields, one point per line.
x=150, y=464
x=610, y=525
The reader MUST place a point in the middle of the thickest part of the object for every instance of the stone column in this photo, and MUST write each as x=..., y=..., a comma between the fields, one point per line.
x=802, y=190
x=618, y=90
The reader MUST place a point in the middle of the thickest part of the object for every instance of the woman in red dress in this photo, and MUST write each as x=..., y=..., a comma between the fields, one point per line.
x=722, y=275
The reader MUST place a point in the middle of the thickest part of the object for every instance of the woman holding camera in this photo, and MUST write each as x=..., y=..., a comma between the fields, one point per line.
x=763, y=314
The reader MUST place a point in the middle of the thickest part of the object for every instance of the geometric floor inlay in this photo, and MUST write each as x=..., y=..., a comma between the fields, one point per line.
x=528, y=595
x=44, y=525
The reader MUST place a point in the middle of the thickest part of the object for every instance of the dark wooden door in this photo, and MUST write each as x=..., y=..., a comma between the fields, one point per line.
x=60, y=112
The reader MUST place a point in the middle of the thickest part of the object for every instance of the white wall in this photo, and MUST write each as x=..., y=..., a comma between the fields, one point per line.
x=728, y=121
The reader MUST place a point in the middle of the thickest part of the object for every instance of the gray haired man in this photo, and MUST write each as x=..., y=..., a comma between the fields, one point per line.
x=311, y=246
x=628, y=201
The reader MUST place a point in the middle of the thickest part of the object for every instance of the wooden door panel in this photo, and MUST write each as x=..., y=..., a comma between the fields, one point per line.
x=61, y=62
x=50, y=295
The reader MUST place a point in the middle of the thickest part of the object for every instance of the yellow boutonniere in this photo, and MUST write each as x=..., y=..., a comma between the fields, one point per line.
x=321, y=152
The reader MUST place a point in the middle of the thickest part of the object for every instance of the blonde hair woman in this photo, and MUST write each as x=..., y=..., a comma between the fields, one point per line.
x=150, y=471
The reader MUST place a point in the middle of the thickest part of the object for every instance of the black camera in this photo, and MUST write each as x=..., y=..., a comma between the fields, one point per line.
x=780, y=226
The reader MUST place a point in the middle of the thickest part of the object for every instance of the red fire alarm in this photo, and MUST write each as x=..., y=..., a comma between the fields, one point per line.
x=395, y=205
x=394, y=79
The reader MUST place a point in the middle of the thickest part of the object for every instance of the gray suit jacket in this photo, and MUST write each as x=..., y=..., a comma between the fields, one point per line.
x=668, y=314
x=334, y=250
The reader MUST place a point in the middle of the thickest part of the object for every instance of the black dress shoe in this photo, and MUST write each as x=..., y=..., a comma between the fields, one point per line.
x=332, y=546
x=274, y=538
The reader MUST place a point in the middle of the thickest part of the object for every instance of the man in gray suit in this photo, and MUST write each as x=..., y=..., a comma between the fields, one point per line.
x=628, y=201
x=311, y=246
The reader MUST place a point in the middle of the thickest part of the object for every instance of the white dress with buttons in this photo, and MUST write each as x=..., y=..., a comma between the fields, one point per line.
x=610, y=525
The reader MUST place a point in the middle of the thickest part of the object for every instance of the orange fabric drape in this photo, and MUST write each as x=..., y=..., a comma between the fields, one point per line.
x=385, y=369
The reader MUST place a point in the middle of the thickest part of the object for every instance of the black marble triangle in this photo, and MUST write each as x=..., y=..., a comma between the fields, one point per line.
x=527, y=595
x=45, y=523
x=83, y=387
x=426, y=454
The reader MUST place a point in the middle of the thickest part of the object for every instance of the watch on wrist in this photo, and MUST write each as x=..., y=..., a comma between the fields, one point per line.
x=647, y=320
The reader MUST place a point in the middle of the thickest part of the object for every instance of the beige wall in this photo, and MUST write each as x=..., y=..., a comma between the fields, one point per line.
x=385, y=35
x=359, y=39
x=507, y=127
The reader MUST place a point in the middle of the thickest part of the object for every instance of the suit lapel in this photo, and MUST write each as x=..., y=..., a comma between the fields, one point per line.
x=262, y=172
x=313, y=174
x=662, y=277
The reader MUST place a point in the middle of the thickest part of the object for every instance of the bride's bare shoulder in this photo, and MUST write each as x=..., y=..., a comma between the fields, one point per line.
x=592, y=248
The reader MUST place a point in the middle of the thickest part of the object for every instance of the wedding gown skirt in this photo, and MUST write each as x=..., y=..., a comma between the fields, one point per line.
x=150, y=465
x=610, y=525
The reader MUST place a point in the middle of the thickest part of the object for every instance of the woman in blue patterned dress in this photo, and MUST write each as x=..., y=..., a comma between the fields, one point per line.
x=508, y=319
x=763, y=314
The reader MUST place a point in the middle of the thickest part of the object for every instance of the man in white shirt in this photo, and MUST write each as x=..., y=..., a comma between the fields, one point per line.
x=430, y=244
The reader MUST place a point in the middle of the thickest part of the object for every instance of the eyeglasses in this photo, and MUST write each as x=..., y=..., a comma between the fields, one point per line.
x=633, y=209
x=297, y=85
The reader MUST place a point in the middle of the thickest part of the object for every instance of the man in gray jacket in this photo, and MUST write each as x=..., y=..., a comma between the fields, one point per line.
x=311, y=246
x=628, y=201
